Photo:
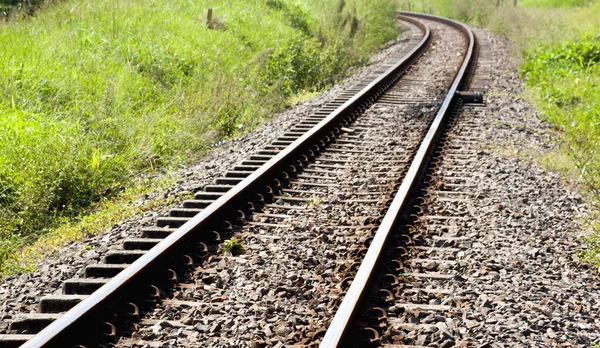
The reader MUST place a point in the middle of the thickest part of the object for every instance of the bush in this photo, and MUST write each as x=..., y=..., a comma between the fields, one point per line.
x=302, y=65
x=233, y=247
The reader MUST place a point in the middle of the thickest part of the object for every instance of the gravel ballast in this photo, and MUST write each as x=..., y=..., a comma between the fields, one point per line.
x=535, y=291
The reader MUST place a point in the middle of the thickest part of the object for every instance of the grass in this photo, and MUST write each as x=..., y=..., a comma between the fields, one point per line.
x=94, y=94
x=100, y=216
x=233, y=247
x=553, y=3
x=559, y=43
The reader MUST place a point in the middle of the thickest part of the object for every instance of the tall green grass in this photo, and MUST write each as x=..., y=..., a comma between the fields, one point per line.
x=553, y=3
x=559, y=42
x=93, y=93
x=564, y=80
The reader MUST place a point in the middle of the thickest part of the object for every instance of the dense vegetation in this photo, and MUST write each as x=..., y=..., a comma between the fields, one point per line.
x=559, y=41
x=565, y=82
x=93, y=93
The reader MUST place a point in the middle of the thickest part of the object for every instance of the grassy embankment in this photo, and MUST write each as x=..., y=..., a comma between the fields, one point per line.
x=95, y=93
x=559, y=41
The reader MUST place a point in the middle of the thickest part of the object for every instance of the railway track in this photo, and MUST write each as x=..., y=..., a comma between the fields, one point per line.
x=376, y=295
x=332, y=187
x=418, y=295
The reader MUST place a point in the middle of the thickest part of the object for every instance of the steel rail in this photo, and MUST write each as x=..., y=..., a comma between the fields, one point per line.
x=336, y=331
x=64, y=327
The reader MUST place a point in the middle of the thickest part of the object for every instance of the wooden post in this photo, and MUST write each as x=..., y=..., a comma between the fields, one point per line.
x=208, y=17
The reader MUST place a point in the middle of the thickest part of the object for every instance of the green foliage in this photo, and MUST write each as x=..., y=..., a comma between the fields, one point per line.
x=297, y=18
x=529, y=23
x=307, y=65
x=591, y=255
x=102, y=215
x=565, y=79
x=564, y=59
x=93, y=93
x=232, y=247
x=468, y=11
x=304, y=66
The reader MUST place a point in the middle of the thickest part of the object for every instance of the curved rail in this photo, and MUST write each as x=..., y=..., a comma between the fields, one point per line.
x=350, y=304
x=141, y=271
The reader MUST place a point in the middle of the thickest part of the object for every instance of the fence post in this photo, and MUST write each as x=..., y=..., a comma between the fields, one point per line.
x=208, y=16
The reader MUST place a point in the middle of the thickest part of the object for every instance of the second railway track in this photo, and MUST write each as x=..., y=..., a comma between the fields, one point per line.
x=307, y=207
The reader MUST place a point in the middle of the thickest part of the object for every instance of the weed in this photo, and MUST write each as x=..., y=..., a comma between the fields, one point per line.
x=314, y=201
x=554, y=3
x=232, y=247
x=565, y=79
